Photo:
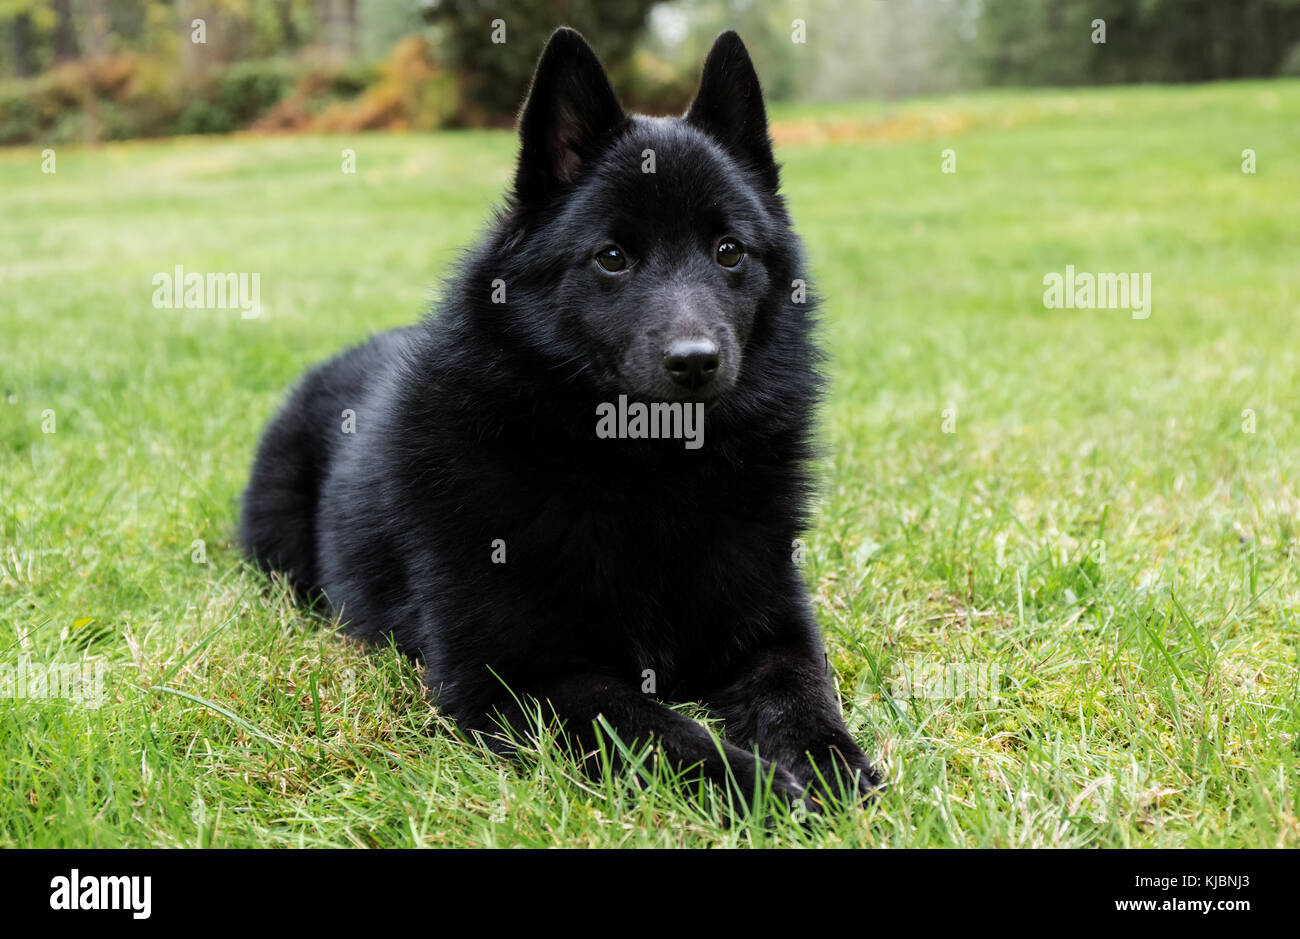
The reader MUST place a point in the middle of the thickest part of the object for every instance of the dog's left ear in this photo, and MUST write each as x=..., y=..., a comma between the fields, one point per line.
x=571, y=110
x=729, y=106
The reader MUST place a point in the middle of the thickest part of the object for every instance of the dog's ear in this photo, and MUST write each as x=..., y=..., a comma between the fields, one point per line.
x=729, y=106
x=570, y=112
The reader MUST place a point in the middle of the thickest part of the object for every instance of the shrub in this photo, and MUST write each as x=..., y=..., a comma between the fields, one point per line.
x=247, y=90
x=143, y=97
x=411, y=93
x=202, y=116
x=19, y=119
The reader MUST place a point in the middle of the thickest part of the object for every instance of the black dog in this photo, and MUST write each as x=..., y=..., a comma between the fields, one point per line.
x=493, y=489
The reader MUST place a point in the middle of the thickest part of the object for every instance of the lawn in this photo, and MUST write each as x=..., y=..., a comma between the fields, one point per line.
x=1085, y=523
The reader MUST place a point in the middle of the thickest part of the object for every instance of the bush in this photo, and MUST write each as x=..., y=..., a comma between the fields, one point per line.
x=428, y=96
x=148, y=97
x=19, y=119
x=202, y=116
x=247, y=90
x=411, y=93
x=155, y=100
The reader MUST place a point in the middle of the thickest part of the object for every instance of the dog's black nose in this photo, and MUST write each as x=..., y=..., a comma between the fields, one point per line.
x=692, y=362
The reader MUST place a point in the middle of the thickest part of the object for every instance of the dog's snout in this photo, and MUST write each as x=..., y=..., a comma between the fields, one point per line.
x=692, y=362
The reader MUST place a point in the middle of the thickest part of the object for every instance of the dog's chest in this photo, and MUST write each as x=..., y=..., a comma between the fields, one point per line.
x=660, y=589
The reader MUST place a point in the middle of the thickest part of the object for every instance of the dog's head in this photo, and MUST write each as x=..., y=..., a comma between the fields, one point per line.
x=650, y=253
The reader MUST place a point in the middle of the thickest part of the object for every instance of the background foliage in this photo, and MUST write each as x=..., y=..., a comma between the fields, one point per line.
x=109, y=69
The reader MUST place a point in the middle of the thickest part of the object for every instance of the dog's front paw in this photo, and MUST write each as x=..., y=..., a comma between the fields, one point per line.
x=787, y=786
x=837, y=776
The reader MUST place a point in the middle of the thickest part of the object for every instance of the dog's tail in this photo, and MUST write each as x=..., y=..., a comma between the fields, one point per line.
x=279, y=515
x=277, y=521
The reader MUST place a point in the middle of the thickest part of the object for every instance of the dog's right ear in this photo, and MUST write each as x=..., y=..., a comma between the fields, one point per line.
x=570, y=112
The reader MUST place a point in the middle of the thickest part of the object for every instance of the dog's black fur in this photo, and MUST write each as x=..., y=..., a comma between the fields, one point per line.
x=475, y=433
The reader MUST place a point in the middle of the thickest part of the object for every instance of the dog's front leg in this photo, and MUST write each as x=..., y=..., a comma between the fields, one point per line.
x=579, y=700
x=782, y=701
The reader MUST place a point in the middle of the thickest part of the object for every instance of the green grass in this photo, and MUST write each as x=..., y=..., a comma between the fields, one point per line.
x=1147, y=689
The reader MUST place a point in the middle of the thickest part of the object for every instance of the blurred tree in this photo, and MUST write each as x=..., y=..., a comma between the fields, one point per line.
x=684, y=31
x=94, y=41
x=338, y=19
x=889, y=50
x=24, y=56
x=820, y=49
x=494, y=75
x=24, y=23
x=828, y=49
x=382, y=23
x=1050, y=41
x=64, y=39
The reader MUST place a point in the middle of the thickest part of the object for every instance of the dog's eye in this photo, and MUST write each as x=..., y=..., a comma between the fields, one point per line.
x=730, y=252
x=611, y=259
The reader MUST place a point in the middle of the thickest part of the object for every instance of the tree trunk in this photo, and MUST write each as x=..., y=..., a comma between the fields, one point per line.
x=24, y=61
x=353, y=28
x=189, y=53
x=65, y=32
x=335, y=23
x=96, y=36
x=287, y=29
